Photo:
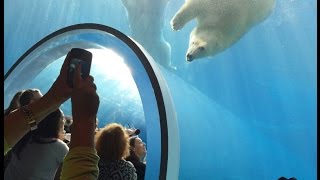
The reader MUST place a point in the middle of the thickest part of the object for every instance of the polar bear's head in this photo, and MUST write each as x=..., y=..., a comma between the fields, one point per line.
x=197, y=49
x=200, y=47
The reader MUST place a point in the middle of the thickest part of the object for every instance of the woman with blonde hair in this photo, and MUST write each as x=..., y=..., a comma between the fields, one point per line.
x=112, y=145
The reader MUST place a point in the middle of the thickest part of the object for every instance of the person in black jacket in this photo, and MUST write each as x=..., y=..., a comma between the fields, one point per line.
x=137, y=156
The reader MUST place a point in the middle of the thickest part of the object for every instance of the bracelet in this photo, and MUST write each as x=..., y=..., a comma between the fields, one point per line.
x=31, y=121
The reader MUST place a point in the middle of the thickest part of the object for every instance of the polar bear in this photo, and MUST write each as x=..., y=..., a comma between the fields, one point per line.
x=146, y=20
x=220, y=23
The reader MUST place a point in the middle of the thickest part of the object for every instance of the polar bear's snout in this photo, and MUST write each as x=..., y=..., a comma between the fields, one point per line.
x=189, y=57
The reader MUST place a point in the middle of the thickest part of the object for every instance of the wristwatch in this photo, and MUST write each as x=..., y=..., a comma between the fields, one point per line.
x=31, y=121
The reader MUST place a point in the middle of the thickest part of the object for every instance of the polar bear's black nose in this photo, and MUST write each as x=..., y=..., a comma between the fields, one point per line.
x=189, y=57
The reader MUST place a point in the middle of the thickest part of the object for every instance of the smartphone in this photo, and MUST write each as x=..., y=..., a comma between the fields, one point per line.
x=82, y=56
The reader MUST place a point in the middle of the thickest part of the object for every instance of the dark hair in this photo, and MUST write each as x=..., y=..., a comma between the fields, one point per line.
x=132, y=140
x=49, y=127
x=132, y=156
x=68, y=123
x=21, y=98
x=27, y=96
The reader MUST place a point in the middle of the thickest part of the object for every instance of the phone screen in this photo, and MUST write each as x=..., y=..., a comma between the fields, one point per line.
x=77, y=56
x=85, y=67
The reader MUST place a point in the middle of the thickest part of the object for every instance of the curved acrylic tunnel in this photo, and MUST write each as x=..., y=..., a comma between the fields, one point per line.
x=120, y=67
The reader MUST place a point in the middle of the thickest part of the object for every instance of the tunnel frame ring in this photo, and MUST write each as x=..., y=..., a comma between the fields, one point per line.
x=146, y=64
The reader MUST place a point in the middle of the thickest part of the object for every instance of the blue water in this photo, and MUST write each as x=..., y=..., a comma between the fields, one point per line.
x=246, y=113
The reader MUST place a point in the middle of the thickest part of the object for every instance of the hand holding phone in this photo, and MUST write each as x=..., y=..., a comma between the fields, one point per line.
x=76, y=56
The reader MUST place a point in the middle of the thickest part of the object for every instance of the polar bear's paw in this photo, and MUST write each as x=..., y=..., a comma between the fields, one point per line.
x=175, y=24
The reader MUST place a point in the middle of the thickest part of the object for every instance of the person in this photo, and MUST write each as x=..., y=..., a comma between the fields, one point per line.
x=132, y=131
x=112, y=144
x=81, y=162
x=67, y=129
x=137, y=155
x=28, y=96
x=23, y=97
x=43, y=147
x=67, y=124
x=14, y=104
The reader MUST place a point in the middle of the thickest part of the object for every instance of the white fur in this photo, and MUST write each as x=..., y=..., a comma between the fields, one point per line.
x=220, y=23
x=146, y=18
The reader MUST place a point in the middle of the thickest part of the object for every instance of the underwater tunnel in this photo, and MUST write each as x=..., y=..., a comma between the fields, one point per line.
x=247, y=113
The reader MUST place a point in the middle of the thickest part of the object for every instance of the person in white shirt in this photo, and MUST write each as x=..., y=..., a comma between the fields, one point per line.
x=41, y=152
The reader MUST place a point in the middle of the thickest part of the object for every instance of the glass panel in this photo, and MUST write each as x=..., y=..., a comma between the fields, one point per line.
x=125, y=90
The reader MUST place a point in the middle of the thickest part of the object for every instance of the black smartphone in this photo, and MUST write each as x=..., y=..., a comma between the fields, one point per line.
x=77, y=55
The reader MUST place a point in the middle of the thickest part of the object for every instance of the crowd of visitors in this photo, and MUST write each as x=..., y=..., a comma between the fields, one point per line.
x=40, y=142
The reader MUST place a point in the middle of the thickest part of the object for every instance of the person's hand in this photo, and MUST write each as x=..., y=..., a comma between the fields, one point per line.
x=130, y=131
x=84, y=99
x=60, y=90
